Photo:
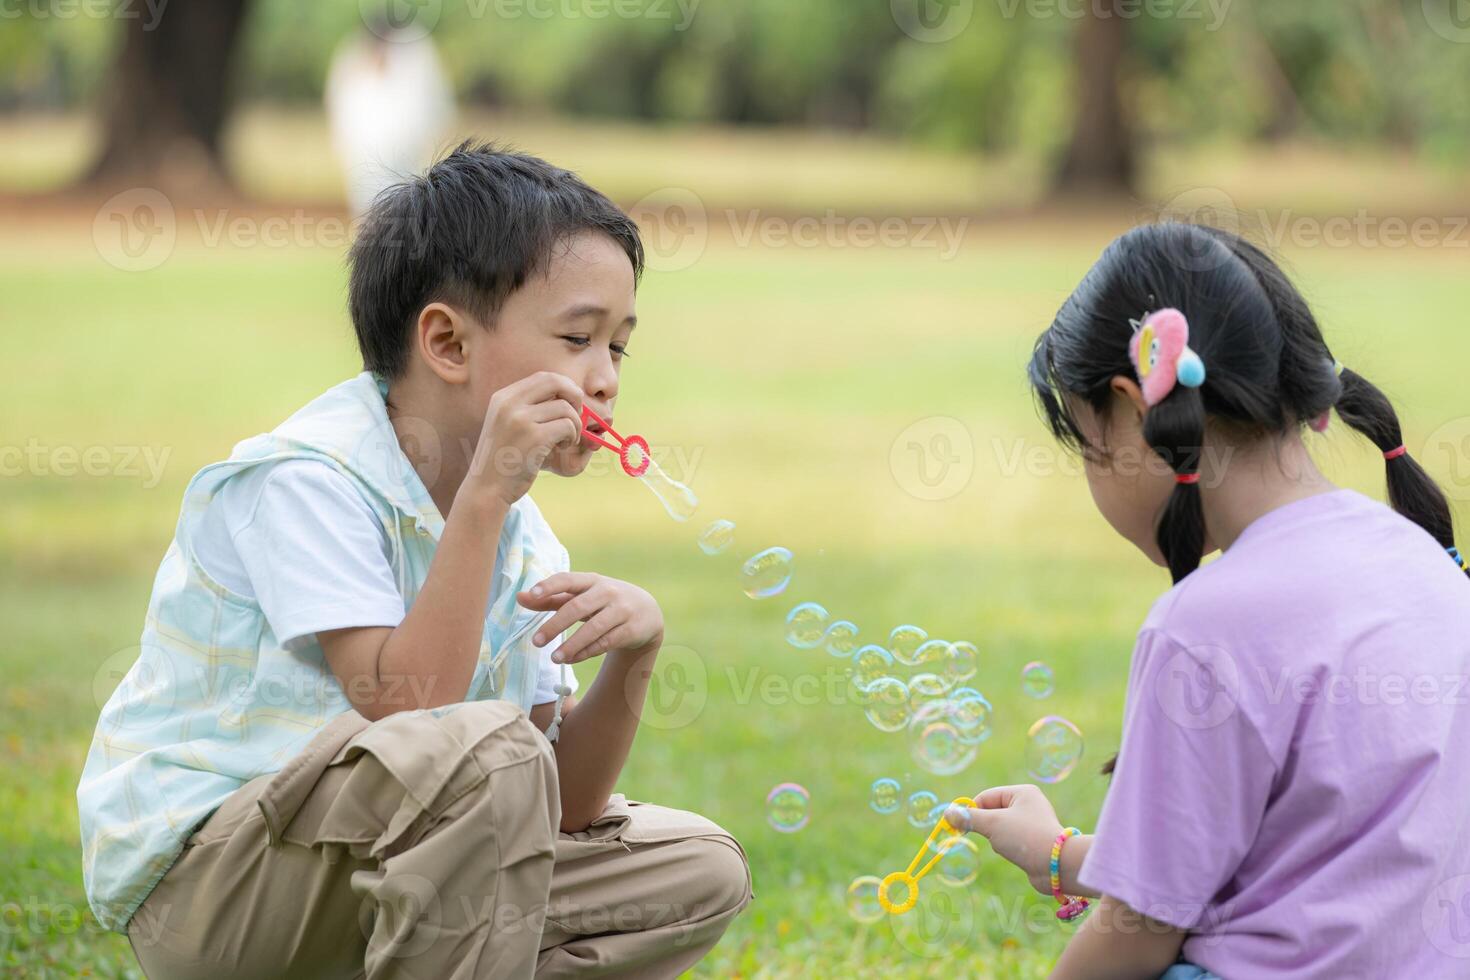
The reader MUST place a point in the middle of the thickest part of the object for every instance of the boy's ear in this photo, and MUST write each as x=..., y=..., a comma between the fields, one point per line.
x=1128, y=397
x=440, y=334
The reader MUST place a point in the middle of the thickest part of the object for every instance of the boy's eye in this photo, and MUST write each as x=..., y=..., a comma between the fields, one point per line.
x=578, y=341
x=620, y=350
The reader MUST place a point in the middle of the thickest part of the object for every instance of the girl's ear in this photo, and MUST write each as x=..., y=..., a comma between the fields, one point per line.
x=1128, y=388
x=1128, y=408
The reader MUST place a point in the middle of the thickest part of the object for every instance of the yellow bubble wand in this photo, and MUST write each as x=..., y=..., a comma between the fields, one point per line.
x=909, y=877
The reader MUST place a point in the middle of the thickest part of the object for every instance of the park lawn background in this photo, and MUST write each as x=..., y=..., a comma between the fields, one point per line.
x=779, y=378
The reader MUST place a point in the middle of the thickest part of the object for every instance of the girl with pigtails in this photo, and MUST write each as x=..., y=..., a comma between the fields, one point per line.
x=1291, y=798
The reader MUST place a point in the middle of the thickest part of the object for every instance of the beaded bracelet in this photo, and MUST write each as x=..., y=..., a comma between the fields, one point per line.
x=1071, y=907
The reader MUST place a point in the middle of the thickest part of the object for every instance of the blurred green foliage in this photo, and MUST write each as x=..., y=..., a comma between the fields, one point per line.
x=1358, y=71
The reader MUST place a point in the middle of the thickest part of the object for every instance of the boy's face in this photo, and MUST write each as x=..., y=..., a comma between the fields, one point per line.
x=575, y=319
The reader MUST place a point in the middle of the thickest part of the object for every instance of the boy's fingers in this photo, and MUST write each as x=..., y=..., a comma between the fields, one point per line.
x=547, y=385
x=583, y=643
x=563, y=582
x=576, y=609
x=542, y=603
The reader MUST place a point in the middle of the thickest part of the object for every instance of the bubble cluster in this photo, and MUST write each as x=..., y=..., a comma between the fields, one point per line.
x=1053, y=746
x=887, y=704
x=920, y=809
x=862, y=899
x=904, y=643
x=971, y=715
x=767, y=573
x=924, y=688
x=886, y=796
x=806, y=624
x=1037, y=680
x=937, y=740
x=841, y=638
x=788, y=807
x=960, y=862
x=717, y=537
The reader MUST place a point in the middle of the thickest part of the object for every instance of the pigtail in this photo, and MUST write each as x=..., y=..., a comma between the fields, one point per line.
x=1411, y=490
x=1175, y=428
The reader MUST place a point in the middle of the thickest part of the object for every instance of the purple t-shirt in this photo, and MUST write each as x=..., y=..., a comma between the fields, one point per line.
x=1293, y=785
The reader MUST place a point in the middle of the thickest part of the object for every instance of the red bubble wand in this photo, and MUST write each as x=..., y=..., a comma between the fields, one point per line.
x=624, y=446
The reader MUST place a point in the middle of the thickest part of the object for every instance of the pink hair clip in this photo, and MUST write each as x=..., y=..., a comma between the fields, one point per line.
x=1161, y=355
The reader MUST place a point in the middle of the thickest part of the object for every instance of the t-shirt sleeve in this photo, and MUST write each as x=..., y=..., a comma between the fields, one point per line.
x=316, y=554
x=1190, y=788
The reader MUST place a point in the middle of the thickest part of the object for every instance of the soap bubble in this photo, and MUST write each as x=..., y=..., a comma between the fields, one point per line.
x=767, y=573
x=886, y=796
x=931, y=655
x=920, y=805
x=1053, y=746
x=1037, y=680
x=888, y=707
x=970, y=715
x=904, y=643
x=678, y=500
x=806, y=625
x=963, y=662
x=960, y=863
x=788, y=806
x=870, y=664
x=862, y=899
x=937, y=741
x=841, y=638
x=717, y=537
x=924, y=688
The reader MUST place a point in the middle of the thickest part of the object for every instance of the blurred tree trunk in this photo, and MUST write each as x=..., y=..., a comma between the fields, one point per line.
x=1100, y=159
x=168, y=96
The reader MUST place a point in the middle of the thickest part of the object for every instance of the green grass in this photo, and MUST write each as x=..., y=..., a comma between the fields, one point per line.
x=787, y=374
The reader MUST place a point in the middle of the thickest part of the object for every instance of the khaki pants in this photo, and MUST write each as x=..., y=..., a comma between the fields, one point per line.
x=425, y=846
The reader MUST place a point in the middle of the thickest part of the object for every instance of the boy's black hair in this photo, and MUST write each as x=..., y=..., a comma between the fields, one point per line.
x=468, y=232
x=1269, y=369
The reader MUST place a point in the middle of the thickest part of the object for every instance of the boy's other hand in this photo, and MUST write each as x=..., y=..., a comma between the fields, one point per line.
x=523, y=424
x=618, y=615
x=1020, y=824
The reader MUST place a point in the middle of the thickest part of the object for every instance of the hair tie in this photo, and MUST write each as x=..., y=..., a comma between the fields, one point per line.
x=1337, y=368
x=1394, y=454
x=1161, y=355
x=1187, y=478
x=1459, y=559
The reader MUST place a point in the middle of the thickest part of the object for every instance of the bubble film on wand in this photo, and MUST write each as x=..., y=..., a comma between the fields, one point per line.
x=637, y=461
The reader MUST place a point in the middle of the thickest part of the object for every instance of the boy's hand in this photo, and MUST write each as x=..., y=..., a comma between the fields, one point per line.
x=523, y=424
x=1020, y=824
x=619, y=616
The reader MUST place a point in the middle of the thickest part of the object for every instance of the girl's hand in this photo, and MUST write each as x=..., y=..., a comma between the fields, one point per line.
x=1021, y=826
x=619, y=616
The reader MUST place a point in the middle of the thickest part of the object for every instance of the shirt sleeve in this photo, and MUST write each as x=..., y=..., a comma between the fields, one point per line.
x=316, y=554
x=1190, y=788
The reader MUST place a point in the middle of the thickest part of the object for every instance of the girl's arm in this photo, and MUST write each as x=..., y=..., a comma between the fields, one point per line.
x=1116, y=943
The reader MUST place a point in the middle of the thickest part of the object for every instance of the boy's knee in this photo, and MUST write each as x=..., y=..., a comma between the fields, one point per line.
x=719, y=875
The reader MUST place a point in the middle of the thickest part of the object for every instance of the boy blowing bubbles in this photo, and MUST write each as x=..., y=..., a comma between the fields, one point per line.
x=492, y=298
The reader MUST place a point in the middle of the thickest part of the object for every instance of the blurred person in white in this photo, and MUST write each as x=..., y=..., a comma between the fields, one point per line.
x=389, y=105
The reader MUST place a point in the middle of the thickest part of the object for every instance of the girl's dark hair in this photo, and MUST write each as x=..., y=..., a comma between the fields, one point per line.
x=1268, y=368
